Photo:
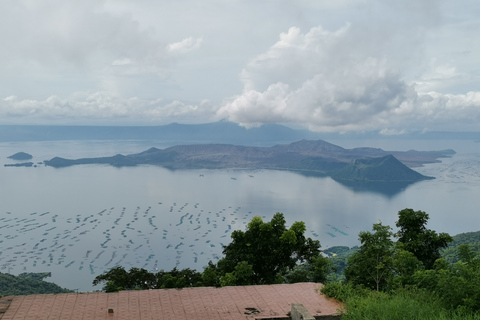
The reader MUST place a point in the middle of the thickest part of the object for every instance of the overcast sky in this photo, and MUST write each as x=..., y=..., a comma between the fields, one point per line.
x=327, y=65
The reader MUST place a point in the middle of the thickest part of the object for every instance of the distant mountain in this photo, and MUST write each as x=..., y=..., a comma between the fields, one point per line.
x=386, y=168
x=218, y=132
x=311, y=157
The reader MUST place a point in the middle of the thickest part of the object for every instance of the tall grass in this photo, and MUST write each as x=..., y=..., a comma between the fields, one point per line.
x=405, y=304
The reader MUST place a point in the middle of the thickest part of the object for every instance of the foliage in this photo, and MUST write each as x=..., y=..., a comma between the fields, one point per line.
x=408, y=304
x=210, y=275
x=118, y=278
x=371, y=266
x=28, y=283
x=424, y=243
x=343, y=291
x=316, y=270
x=178, y=278
x=470, y=238
x=458, y=285
x=241, y=276
x=339, y=256
x=405, y=265
x=269, y=248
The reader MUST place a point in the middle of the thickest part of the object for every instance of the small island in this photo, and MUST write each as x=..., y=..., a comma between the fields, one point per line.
x=23, y=164
x=21, y=156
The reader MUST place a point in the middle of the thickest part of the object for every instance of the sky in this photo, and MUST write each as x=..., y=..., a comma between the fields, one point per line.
x=326, y=65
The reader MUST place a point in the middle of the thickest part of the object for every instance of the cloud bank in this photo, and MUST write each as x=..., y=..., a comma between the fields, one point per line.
x=315, y=80
x=99, y=108
x=350, y=66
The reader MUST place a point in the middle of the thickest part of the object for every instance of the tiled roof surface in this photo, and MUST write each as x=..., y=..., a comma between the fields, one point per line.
x=243, y=302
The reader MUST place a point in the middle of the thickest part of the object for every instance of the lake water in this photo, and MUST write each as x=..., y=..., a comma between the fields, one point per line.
x=80, y=221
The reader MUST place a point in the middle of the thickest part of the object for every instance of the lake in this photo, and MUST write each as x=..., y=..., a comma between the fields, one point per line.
x=80, y=221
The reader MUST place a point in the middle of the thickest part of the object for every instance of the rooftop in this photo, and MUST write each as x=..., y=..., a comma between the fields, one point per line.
x=241, y=302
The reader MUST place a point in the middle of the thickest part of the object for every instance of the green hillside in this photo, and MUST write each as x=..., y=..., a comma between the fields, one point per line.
x=386, y=168
x=27, y=283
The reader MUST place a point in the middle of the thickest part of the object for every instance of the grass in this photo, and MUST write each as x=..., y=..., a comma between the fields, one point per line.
x=405, y=304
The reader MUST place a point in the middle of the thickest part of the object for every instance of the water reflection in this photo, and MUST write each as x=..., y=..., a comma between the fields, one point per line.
x=387, y=189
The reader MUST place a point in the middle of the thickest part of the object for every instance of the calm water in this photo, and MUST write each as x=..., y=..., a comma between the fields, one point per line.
x=80, y=221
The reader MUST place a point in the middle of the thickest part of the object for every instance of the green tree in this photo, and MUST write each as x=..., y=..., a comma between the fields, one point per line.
x=315, y=270
x=424, y=243
x=118, y=278
x=458, y=285
x=372, y=264
x=210, y=275
x=405, y=265
x=178, y=278
x=241, y=276
x=269, y=248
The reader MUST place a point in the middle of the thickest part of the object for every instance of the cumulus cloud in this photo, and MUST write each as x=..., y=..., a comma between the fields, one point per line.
x=83, y=108
x=314, y=79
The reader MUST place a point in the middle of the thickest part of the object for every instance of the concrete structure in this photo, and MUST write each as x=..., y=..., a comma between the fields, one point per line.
x=233, y=303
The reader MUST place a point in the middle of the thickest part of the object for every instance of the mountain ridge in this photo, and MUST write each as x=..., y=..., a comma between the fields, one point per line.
x=214, y=132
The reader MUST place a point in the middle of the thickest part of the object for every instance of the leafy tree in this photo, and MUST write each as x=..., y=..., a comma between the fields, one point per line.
x=316, y=270
x=178, y=278
x=372, y=265
x=269, y=248
x=424, y=243
x=405, y=265
x=210, y=276
x=458, y=285
x=241, y=276
x=118, y=278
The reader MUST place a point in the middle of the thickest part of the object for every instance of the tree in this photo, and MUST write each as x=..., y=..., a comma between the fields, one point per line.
x=372, y=264
x=405, y=265
x=178, y=278
x=241, y=276
x=269, y=248
x=424, y=243
x=315, y=270
x=118, y=278
x=457, y=285
x=210, y=276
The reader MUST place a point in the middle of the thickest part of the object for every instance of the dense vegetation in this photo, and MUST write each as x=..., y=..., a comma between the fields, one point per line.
x=417, y=277
x=27, y=283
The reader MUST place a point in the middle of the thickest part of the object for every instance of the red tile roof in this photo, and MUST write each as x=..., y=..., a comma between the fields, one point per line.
x=242, y=302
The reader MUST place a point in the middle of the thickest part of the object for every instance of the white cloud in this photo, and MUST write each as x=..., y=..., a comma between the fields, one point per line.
x=101, y=108
x=186, y=45
x=315, y=80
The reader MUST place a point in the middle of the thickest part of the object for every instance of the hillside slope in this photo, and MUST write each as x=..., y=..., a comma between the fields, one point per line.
x=382, y=169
